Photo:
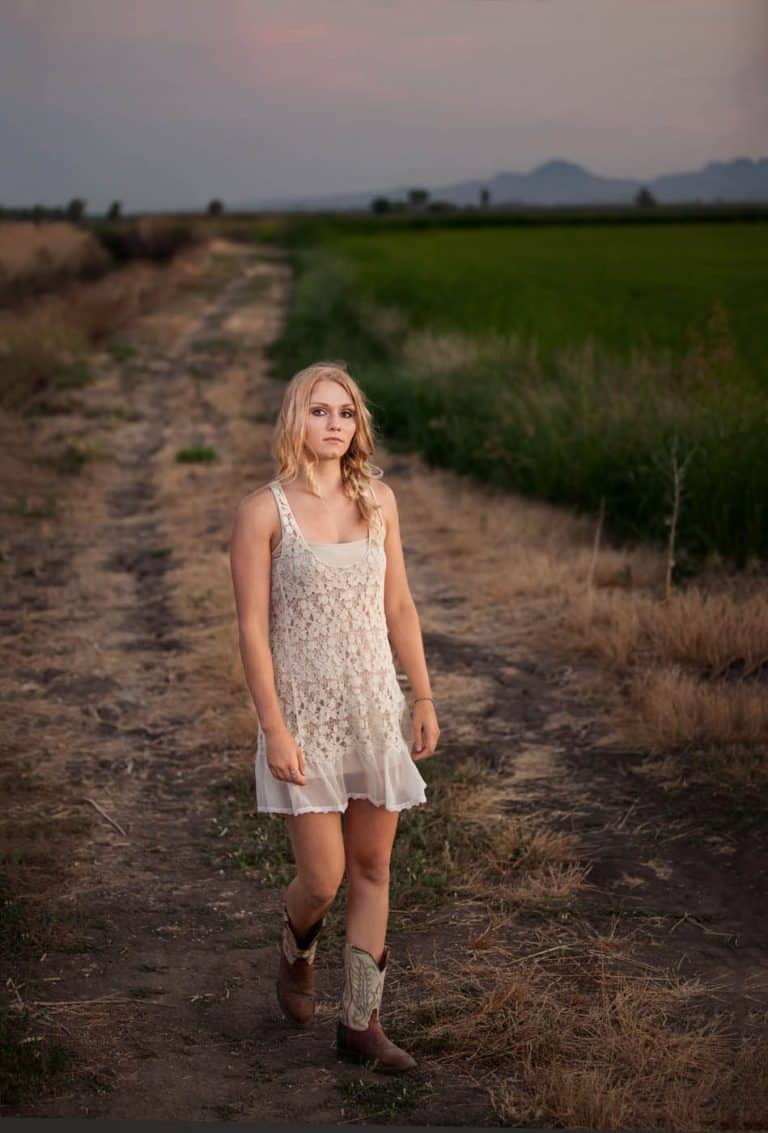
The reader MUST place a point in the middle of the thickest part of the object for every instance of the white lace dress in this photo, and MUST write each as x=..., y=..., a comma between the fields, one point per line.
x=335, y=676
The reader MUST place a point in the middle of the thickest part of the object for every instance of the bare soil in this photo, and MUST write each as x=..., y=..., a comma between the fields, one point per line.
x=122, y=685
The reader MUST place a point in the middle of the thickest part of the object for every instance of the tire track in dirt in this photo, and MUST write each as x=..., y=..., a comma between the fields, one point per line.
x=136, y=708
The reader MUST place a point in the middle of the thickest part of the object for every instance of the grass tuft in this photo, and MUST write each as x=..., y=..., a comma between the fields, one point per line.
x=197, y=454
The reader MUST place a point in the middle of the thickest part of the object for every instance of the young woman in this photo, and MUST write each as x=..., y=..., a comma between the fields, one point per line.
x=322, y=597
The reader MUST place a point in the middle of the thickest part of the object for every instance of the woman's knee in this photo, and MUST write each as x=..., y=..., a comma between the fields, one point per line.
x=370, y=869
x=318, y=850
x=320, y=889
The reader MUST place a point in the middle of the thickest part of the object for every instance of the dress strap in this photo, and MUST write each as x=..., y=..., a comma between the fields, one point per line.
x=286, y=515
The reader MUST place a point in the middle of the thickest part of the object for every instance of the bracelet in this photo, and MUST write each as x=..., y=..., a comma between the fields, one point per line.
x=424, y=698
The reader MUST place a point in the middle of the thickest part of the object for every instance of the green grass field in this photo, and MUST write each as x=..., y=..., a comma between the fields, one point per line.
x=642, y=286
x=573, y=363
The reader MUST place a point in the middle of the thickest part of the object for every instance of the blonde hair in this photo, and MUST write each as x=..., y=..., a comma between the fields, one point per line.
x=293, y=458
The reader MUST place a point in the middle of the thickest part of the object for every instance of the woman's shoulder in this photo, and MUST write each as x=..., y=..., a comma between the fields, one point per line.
x=257, y=509
x=384, y=497
x=382, y=492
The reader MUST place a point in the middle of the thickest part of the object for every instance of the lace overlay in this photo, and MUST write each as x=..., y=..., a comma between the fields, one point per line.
x=335, y=679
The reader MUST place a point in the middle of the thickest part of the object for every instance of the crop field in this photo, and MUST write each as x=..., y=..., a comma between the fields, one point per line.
x=615, y=367
x=643, y=287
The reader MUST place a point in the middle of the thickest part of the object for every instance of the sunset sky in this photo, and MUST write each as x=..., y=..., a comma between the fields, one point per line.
x=165, y=103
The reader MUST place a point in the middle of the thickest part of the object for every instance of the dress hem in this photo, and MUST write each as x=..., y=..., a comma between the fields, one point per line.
x=340, y=810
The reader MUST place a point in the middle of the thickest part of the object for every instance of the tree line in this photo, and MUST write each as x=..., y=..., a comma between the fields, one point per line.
x=75, y=211
x=418, y=200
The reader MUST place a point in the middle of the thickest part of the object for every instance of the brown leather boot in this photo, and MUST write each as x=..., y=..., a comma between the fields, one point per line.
x=296, y=974
x=359, y=1034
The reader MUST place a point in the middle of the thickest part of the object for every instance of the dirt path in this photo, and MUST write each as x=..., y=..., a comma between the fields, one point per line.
x=125, y=690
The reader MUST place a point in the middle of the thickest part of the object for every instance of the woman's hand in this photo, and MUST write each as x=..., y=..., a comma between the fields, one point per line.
x=283, y=753
x=425, y=729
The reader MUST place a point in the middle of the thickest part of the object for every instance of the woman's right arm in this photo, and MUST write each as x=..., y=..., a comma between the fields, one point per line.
x=251, y=565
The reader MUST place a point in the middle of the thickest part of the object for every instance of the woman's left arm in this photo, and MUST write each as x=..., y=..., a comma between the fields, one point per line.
x=404, y=629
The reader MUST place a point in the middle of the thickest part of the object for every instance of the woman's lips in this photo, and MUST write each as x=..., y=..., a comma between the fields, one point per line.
x=338, y=440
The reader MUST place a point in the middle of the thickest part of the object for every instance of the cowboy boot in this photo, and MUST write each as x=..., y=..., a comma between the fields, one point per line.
x=296, y=974
x=359, y=1034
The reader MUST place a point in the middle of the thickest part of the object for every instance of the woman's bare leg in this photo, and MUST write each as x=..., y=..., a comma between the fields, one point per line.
x=369, y=834
x=318, y=850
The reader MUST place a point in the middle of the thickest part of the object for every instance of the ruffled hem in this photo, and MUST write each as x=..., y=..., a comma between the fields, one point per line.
x=390, y=779
x=341, y=810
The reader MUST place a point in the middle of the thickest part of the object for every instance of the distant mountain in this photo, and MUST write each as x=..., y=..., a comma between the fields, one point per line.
x=560, y=182
x=739, y=180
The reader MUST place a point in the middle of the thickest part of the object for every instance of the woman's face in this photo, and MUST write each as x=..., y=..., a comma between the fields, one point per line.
x=331, y=415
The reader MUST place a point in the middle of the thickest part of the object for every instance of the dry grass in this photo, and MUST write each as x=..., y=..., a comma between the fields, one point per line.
x=428, y=353
x=564, y=1023
x=33, y=349
x=721, y=728
x=713, y=631
x=579, y=1033
x=41, y=344
x=674, y=709
x=39, y=257
x=513, y=862
x=693, y=663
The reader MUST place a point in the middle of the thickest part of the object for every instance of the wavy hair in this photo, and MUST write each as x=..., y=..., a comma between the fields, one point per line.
x=294, y=458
